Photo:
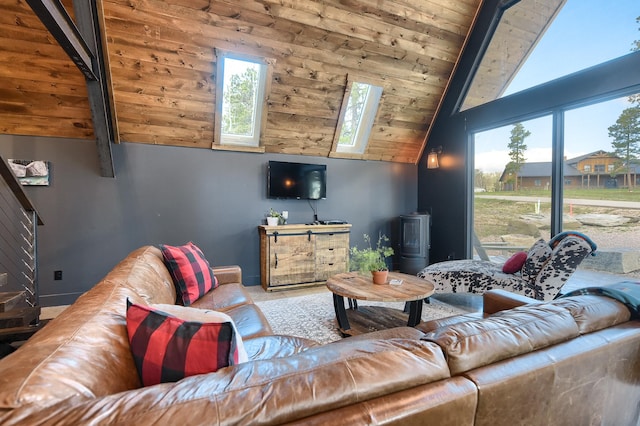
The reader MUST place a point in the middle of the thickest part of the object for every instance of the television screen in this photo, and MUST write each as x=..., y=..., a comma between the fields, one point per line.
x=297, y=180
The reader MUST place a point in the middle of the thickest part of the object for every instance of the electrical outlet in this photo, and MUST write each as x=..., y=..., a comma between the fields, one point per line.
x=57, y=275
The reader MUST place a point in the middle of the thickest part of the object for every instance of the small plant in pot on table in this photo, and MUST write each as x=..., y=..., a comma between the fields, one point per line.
x=372, y=260
x=273, y=217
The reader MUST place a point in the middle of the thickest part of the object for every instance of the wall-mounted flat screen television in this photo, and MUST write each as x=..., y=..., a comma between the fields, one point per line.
x=296, y=180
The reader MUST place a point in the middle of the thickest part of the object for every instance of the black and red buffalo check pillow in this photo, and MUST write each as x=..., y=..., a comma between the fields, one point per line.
x=170, y=342
x=191, y=273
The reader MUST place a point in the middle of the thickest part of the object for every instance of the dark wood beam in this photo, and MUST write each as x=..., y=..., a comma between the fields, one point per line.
x=101, y=113
x=54, y=16
x=84, y=47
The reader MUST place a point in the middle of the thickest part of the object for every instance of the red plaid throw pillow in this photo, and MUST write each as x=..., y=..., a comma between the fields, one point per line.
x=190, y=271
x=170, y=342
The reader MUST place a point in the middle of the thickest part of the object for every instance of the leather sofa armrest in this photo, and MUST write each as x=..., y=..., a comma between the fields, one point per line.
x=497, y=300
x=228, y=274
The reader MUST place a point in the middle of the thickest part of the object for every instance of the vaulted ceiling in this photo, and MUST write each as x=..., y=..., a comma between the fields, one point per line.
x=160, y=64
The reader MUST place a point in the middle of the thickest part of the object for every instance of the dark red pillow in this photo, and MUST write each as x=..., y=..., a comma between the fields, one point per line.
x=167, y=348
x=514, y=263
x=191, y=273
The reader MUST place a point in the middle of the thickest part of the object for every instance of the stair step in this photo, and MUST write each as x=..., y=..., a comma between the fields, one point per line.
x=12, y=300
x=22, y=317
x=17, y=334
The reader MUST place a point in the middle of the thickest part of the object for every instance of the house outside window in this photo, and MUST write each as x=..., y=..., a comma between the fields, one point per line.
x=587, y=168
x=242, y=85
x=599, y=168
x=611, y=167
x=537, y=182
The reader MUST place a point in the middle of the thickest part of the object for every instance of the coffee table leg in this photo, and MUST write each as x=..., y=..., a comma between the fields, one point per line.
x=415, y=313
x=341, y=313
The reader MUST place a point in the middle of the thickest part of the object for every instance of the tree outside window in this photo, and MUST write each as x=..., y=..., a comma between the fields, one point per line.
x=242, y=85
x=240, y=94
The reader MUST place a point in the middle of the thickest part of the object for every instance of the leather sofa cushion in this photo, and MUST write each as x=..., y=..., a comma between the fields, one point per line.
x=389, y=333
x=584, y=381
x=59, y=361
x=143, y=271
x=593, y=313
x=269, y=347
x=506, y=334
x=223, y=298
x=450, y=402
x=250, y=321
x=271, y=391
x=432, y=325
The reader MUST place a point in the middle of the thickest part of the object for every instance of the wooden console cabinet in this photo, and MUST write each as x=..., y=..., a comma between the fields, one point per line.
x=302, y=255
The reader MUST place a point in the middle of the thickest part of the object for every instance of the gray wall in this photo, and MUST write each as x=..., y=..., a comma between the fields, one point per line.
x=173, y=195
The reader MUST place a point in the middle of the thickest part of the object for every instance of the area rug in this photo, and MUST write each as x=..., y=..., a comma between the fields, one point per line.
x=312, y=316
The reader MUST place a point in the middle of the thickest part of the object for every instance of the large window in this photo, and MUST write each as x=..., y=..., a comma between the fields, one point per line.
x=586, y=181
x=539, y=40
x=512, y=179
x=598, y=200
x=241, y=88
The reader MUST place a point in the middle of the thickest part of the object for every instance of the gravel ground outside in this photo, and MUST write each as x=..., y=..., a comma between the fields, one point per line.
x=606, y=237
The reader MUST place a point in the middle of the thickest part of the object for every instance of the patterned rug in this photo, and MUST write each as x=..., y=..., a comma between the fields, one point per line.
x=312, y=316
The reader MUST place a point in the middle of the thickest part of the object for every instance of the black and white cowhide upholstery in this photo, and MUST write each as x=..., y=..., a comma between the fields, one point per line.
x=541, y=277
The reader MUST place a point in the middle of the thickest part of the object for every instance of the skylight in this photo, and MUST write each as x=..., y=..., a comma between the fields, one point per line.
x=357, y=115
x=240, y=97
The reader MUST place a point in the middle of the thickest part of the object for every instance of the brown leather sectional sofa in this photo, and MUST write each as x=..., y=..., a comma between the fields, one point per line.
x=573, y=361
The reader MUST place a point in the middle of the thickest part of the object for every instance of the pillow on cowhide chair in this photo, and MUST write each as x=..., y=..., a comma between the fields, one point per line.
x=514, y=263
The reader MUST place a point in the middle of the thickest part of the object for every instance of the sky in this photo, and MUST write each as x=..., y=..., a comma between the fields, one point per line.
x=585, y=33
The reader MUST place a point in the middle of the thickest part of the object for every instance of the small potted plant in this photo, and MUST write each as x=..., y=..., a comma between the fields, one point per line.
x=273, y=217
x=372, y=260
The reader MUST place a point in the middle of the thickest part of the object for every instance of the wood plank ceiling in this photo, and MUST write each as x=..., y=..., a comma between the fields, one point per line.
x=161, y=66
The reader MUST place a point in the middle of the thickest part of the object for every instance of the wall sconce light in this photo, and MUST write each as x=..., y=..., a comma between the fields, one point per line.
x=432, y=158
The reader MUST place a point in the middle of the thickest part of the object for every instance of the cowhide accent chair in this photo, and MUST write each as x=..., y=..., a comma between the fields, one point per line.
x=545, y=269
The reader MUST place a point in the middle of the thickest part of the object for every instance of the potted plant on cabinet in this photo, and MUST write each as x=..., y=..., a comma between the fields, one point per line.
x=372, y=260
x=273, y=217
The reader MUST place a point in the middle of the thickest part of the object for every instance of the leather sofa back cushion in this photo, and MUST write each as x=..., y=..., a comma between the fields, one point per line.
x=273, y=391
x=594, y=313
x=504, y=335
x=94, y=329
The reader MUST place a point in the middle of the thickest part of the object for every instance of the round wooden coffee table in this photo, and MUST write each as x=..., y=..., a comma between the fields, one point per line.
x=356, y=287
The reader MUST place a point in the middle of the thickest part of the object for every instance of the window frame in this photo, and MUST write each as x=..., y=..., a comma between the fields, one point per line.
x=239, y=143
x=367, y=120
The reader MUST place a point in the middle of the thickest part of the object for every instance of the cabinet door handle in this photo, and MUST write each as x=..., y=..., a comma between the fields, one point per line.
x=309, y=235
x=330, y=248
x=276, y=264
x=331, y=264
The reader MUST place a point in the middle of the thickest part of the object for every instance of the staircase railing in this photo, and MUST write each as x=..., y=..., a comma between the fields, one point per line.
x=19, y=295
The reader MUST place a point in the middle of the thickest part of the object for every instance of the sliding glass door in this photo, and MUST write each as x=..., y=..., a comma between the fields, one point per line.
x=512, y=187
